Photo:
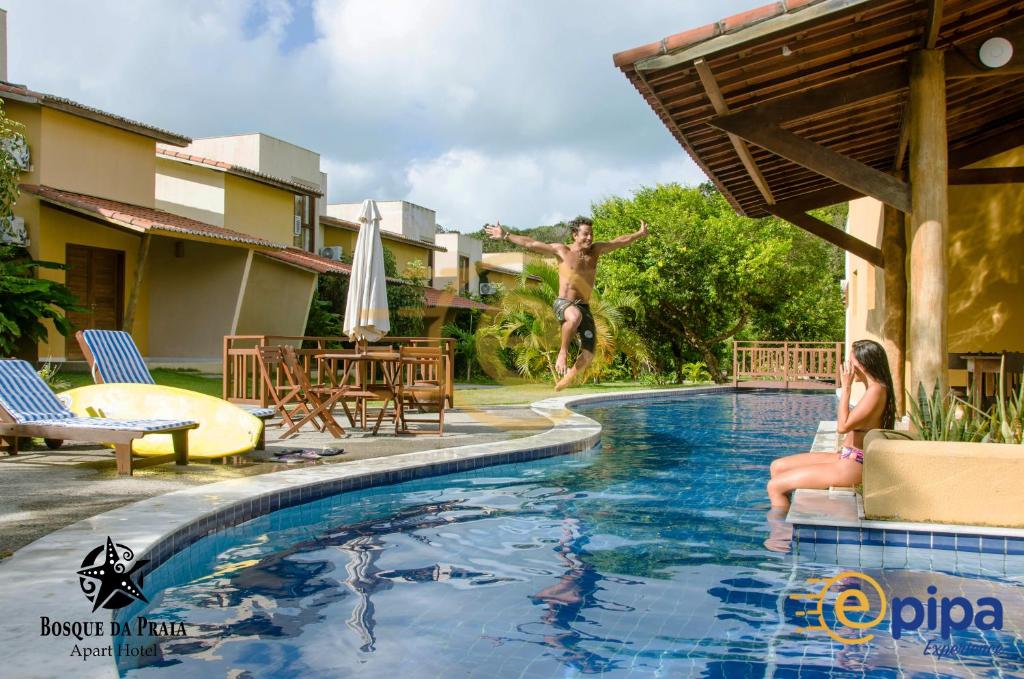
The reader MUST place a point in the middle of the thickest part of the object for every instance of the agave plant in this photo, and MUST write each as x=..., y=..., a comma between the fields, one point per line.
x=526, y=328
x=947, y=417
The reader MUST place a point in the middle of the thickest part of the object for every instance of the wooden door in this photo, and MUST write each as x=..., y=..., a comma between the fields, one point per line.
x=96, y=277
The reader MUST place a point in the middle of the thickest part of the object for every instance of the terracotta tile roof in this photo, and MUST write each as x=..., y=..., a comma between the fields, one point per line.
x=318, y=264
x=327, y=220
x=440, y=298
x=22, y=93
x=288, y=184
x=768, y=66
x=729, y=24
x=142, y=219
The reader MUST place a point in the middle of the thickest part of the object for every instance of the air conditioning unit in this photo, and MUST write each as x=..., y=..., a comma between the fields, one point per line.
x=12, y=231
x=488, y=288
x=335, y=252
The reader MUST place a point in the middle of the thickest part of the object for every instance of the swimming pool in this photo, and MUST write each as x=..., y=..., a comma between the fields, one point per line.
x=642, y=557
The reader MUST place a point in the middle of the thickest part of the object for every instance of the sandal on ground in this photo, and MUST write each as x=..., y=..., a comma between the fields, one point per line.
x=296, y=455
x=331, y=452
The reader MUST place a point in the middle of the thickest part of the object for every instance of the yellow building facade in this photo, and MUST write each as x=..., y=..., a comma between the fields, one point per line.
x=986, y=275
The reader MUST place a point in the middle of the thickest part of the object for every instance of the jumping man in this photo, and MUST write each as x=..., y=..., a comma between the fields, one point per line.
x=577, y=267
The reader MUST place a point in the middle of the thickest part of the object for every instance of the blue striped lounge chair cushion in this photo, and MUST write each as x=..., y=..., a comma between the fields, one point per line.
x=116, y=358
x=257, y=411
x=25, y=396
x=124, y=425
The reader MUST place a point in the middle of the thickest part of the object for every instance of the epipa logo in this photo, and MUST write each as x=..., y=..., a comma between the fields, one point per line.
x=857, y=595
x=107, y=581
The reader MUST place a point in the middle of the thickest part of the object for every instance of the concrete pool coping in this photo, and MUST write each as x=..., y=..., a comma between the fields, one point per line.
x=40, y=579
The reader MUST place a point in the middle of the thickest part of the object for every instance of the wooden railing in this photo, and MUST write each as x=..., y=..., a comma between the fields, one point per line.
x=813, y=365
x=242, y=382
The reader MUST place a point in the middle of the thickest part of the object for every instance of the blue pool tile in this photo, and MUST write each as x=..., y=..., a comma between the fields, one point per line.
x=993, y=545
x=920, y=540
x=826, y=535
x=849, y=536
x=895, y=538
x=968, y=543
x=943, y=541
x=1015, y=546
x=874, y=536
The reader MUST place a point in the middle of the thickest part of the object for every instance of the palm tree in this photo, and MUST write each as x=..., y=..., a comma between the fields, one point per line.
x=526, y=327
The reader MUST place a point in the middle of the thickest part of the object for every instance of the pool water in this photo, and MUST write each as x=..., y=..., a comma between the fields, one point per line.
x=642, y=557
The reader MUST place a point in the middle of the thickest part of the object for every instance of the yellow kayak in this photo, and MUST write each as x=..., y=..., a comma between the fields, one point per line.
x=224, y=429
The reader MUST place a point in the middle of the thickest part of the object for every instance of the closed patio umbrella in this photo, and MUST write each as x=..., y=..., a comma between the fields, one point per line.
x=366, y=309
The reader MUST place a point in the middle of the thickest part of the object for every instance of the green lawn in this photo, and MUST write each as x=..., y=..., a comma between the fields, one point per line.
x=183, y=379
x=518, y=394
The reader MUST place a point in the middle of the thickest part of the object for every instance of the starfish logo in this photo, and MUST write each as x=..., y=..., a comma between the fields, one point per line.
x=107, y=581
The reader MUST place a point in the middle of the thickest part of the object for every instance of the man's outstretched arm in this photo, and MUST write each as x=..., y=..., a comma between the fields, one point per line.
x=498, y=233
x=622, y=241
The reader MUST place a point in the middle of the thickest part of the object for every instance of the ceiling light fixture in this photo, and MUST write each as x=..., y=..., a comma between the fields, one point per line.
x=995, y=52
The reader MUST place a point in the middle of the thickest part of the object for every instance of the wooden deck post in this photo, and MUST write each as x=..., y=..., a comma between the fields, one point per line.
x=929, y=237
x=735, y=365
x=133, y=297
x=894, y=326
x=785, y=365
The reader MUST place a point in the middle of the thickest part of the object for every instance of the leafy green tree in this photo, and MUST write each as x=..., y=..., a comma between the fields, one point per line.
x=703, y=276
x=406, y=300
x=525, y=329
x=26, y=301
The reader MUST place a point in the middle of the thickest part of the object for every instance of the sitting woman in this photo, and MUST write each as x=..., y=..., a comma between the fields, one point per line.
x=875, y=410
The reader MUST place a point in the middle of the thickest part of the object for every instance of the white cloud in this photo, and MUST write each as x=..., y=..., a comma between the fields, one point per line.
x=512, y=102
x=471, y=187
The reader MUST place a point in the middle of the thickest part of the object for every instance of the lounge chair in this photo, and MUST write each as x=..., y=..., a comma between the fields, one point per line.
x=29, y=408
x=114, y=358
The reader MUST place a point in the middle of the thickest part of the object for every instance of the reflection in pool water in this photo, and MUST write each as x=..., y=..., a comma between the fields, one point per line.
x=642, y=557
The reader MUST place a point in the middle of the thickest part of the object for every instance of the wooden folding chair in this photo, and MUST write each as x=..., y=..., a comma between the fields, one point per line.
x=421, y=385
x=288, y=398
x=319, y=401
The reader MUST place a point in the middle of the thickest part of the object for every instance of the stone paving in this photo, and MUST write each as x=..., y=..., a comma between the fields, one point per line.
x=43, y=490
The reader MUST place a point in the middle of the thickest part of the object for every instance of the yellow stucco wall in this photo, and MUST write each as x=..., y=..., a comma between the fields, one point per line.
x=960, y=483
x=405, y=253
x=343, y=237
x=258, y=209
x=276, y=300
x=193, y=298
x=986, y=277
x=32, y=119
x=54, y=230
x=508, y=281
x=986, y=271
x=190, y=191
x=88, y=157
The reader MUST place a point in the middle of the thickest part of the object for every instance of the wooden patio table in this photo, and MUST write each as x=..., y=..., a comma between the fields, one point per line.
x=361, y=360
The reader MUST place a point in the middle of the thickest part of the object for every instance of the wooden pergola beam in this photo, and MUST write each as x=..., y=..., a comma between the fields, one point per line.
x=963, y=62
x=820, y=198
x=827, y=97
x=933, y=24
x=827, y=232
x=992, y=146
x=927, y=336
x=988, y=175
x=714, y=93
x=824, y=161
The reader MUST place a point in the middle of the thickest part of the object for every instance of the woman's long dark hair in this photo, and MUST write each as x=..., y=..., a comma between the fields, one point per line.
x=873, y=359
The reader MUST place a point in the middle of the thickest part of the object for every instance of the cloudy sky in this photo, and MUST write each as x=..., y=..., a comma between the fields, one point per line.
x=479, y=109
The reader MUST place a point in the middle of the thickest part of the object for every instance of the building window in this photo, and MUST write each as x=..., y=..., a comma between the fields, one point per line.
x=430, y=268
x=463, y=274
x=305, y=213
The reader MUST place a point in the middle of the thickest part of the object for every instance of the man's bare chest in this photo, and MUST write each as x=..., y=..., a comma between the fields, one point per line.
x=580, y=261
